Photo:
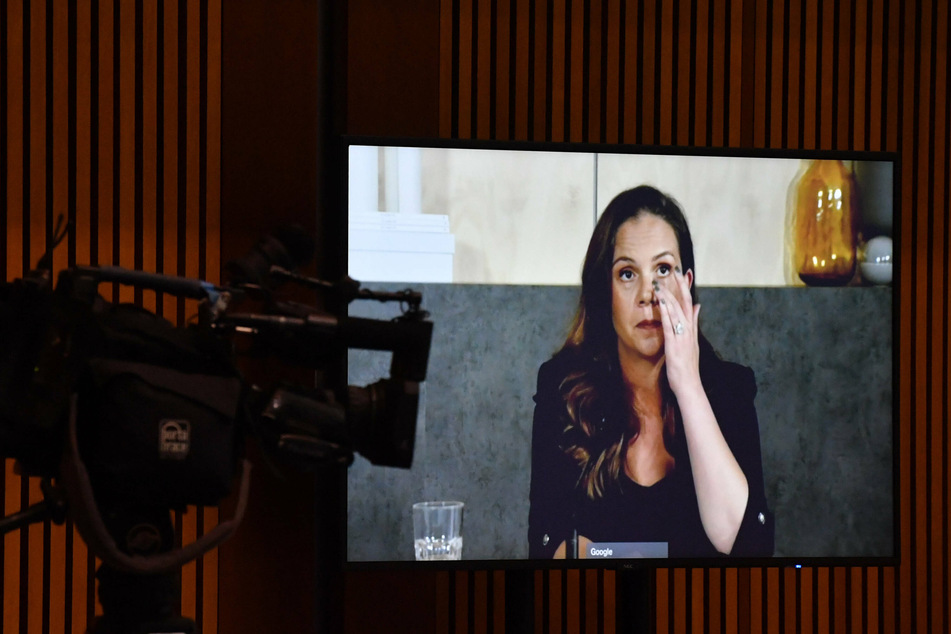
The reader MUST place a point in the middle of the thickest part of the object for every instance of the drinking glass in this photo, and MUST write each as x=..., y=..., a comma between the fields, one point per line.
x=437, y=530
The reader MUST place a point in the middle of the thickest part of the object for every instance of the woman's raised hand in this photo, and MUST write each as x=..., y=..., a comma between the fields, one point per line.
x=679, y=317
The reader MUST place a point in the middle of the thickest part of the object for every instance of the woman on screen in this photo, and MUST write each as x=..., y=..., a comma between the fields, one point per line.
x=642, y=435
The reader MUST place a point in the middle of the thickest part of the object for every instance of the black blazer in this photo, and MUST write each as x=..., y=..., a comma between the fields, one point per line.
x=628, y=512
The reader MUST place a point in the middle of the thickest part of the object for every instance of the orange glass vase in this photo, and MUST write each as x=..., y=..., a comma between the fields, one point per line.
x=824, y=223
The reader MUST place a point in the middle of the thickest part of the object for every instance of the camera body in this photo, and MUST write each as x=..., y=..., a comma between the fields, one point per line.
x=161, y=413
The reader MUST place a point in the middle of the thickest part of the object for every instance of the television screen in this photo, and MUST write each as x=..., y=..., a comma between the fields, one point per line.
x=578, y=403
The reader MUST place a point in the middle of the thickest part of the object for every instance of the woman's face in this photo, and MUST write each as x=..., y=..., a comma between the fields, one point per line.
x=645, y=251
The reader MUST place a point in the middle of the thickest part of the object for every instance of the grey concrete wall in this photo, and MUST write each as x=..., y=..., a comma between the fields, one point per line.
x=823, y=362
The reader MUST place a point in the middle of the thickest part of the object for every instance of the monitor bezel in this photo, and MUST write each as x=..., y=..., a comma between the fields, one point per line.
x=893, y=158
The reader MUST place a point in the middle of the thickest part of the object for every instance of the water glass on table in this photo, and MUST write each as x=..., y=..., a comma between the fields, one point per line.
x=437, y=529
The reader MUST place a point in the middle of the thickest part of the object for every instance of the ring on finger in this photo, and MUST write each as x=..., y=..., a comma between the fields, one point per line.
x=679, y=328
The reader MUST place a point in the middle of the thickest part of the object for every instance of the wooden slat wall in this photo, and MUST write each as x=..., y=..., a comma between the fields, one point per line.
x=109, y=115
x=795, y=74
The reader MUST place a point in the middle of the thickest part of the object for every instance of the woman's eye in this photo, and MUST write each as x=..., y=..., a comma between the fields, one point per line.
x=664, y=270
x=626, y=275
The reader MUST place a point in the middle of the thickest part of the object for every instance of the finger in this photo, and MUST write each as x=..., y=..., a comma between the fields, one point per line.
x=686, y=300
x=671, y=314
x=665, y=319
x=672, y=307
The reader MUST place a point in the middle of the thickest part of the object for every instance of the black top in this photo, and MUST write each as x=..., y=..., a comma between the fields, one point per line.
x=628, y=512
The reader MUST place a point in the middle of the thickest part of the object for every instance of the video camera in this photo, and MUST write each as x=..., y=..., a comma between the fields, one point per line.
x=113, y=406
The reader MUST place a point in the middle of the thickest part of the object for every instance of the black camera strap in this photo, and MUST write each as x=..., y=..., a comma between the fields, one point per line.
x=89, y=522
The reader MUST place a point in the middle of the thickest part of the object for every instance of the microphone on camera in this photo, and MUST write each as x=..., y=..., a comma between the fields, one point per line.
x=288, y=247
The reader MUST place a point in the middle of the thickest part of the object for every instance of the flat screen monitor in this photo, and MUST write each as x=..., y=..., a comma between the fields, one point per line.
x=767, y=433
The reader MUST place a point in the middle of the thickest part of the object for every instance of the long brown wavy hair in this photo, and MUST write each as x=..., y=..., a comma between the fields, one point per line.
x=597, y=442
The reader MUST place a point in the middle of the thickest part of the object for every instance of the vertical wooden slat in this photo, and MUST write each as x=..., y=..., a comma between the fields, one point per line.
x=170, y=153
x=446, y=66
x=678, y=600
x=590, y=614
x=126, y=71
x=59, y=96
x=442, y=599
x=713, y=613
x=33, y=566
x=483, y=72
x=876, y=62
x=772, y=599
x=701, y=61
x=838, y=602
x=497, y=623
x=35, y=213
x=697, y=600
x=806, y=606
x=11, y=553
x=78, y=587
x=612, y=79
x=761, y=73
x=104, y=145
x=521, y=26
x=574, y=69
x=876, y=600
x=824, y=73
x=729, y=601
x=809, y=74
x=14, y=151
x=789, y=618
x=860, y=74
x=919, y=286
x=684, y=102
x=592, y=61
x=931, y=99
x=648, y=14
x=791, y=106
x=942, y=189
x=774, y=108
x=909, y=372
x=31, y=545
x=56, y=582
x=83, y=87
x=608, y=602
x=719, y=71
x=540, y=79
x=666, y=63
x=212, y=167
x=462, y=579
x=661, y=600
x=631, y=40
x=573, y=613
x=147, y=143
x=844, y=97
x=191, y=244
x=463, y=82
x=503, y=68
x=892, y=91
x=735, y=106
x=557, y=54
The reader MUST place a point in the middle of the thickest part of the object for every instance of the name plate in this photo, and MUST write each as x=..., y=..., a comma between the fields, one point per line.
x=626, y=550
